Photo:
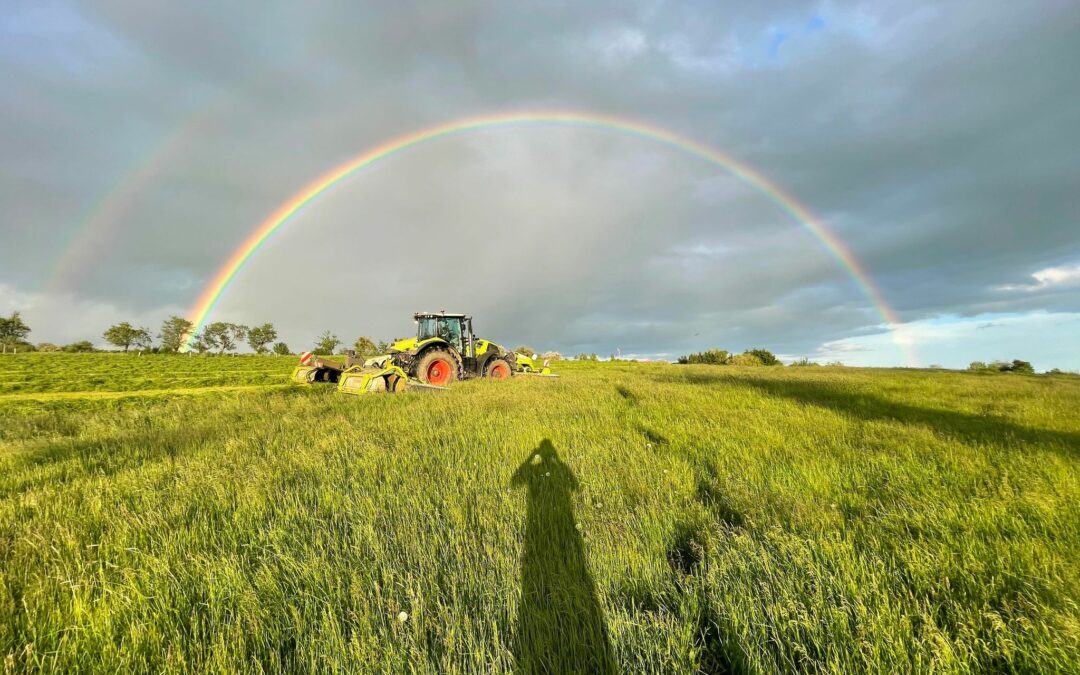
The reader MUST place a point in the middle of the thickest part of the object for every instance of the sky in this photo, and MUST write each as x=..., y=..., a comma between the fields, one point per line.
x=141, y=142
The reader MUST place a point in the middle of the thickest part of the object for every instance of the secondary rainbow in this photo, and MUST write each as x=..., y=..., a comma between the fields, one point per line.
x=99, y=228
x=213, y=291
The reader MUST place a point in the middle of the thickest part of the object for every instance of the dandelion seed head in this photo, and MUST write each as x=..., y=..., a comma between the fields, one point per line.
x=403, y=617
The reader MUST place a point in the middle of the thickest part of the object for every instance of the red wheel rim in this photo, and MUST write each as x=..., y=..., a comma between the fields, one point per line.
x=499, y=371
x=438, y=372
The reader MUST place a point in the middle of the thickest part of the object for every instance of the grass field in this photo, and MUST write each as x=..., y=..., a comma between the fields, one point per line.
x=175, y=513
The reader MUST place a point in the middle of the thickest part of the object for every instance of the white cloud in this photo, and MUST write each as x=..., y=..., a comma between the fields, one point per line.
x=1061, y=276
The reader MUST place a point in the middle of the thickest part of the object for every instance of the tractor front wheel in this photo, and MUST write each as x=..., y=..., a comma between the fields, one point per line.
x=498, y=369
x=437, y=367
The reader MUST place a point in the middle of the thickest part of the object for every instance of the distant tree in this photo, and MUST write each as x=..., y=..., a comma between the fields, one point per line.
x=746, y=359
x=173, y=332
x=365, y=347
x=79, y=347
x=200, y=343
x=978, y=367
x=326, y=343
x=125, y=335
x=523, y=349
x=765, y=356
x=13, y=331
x=594, y=357
x=47, y=347
x=803, y=362
x=260, y=336
x=1022, y=367
x=582, y=357
x=223, y=336
x=383, y=347
x=709, y=357
x=281, y=349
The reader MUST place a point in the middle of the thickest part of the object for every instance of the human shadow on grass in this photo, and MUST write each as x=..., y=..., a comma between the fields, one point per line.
x=560, y=626
x=965, y=426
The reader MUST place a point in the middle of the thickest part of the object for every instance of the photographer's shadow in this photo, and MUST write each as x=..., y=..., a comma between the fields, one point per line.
x=560, y=623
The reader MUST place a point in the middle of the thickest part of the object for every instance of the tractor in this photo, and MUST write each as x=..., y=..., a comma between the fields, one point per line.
x=444, y=349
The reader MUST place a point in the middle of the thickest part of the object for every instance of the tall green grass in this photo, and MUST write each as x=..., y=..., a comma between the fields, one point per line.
x=677, y=519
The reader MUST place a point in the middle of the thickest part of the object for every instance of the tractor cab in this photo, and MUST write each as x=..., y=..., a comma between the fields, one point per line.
x=456, y=329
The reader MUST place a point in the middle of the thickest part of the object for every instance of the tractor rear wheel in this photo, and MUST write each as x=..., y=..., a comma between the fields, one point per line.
x=437, y=367
x=498, y=369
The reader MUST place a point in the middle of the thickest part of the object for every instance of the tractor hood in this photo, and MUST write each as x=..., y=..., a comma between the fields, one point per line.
x=403, y=345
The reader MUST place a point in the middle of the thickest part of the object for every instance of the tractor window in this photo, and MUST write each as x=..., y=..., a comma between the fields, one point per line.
x=450, y=330
x=426, y=328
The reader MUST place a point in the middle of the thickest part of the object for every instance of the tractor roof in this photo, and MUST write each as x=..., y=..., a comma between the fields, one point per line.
x=420, y=315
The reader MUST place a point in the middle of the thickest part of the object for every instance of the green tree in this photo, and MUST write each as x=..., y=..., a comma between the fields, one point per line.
x=125, y=335
x=200, y=344
x=223, y=336
x=326, y=343
x=365, y=348
x=594, y=357
x=173, y=333
x=524, y=349
x=978, y=366
x=1022, y=367
x=383, y=347
x=79, y=347
x=260, y=336
x=709, y=357
x=746, y=359
x=281, y=349
x=13, y=331
x=47, y=347
x=765, y=356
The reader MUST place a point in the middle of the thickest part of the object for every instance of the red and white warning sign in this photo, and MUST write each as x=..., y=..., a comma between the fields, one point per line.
x=305, y=358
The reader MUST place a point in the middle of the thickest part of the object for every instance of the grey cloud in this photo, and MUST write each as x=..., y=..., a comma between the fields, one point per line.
x=939, y=142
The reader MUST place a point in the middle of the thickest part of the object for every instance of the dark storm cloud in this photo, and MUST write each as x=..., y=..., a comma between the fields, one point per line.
x=940, y=142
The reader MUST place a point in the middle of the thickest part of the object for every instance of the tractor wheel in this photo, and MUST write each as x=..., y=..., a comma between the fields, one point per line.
x=437, y=367
x=498, y=369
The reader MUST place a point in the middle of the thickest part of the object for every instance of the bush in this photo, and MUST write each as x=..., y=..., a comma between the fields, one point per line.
x=1022, y=367
x=1014, y=366
x=710, y=357
x=281, y=349
x=804, y=362
x=80, y=347
x=746, y=359
x=765, y=356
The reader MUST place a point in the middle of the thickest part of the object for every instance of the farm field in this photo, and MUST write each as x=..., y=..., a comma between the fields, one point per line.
x=171, y=513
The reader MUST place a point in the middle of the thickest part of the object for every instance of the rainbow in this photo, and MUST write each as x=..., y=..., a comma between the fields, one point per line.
x=214, y=290
x=100, y=225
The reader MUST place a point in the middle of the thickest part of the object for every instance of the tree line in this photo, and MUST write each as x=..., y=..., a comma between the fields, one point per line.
x=722, y=357
x=219, y=336
x=176, y=333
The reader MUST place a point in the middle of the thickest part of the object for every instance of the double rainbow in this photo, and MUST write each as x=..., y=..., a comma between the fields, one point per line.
x=213, y=292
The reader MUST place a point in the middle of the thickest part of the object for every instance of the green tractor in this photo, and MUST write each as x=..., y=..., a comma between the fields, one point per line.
x=444, y=349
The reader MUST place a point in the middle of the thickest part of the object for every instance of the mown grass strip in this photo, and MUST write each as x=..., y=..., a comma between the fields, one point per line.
x=106, y=395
